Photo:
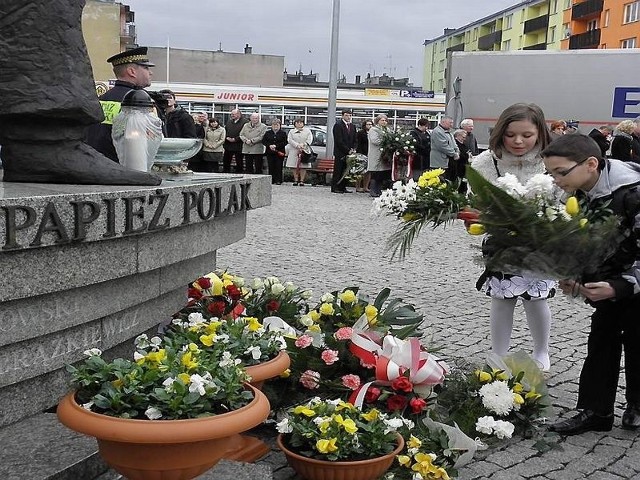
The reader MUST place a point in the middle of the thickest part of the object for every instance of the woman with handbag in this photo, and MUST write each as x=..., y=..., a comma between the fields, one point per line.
x=212, y=148
x=299, y=140
x=275, y=140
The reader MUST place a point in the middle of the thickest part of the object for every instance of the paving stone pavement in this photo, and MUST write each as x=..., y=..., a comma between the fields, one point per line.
x=327, y=241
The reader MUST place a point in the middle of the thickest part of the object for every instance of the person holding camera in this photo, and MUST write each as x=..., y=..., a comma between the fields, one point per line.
x=132, y=71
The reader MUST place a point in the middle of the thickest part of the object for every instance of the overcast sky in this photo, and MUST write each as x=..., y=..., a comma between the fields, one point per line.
x=376, y=36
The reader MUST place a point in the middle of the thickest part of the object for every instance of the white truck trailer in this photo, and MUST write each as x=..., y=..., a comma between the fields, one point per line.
x=594, y=87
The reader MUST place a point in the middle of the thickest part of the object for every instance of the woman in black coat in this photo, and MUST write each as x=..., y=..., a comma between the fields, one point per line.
x=275, y=140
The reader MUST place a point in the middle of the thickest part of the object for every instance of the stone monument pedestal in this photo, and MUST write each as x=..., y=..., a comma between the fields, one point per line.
x=85, y=266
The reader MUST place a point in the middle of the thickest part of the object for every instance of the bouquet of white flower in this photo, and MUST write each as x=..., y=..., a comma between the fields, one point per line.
x=531, y=232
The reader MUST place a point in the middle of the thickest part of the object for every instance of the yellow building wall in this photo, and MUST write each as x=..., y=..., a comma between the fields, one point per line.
x=101, y=30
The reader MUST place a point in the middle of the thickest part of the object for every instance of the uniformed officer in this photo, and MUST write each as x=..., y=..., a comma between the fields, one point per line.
x=132, y=71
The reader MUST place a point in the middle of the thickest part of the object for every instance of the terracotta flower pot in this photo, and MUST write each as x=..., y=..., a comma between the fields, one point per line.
x=272, y=368
x=163, y=449
x=313, y=469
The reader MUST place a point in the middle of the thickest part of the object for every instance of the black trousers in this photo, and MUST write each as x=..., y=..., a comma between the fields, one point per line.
x=339, y=165
x=275, y=163
x=226, y=161
x=254, y=162
x=614, y=325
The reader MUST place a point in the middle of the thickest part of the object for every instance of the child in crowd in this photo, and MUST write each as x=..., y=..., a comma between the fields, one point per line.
x=515, y=144
x=576, y=164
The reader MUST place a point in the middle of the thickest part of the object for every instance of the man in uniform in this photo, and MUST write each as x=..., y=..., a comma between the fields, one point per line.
x=131, y=69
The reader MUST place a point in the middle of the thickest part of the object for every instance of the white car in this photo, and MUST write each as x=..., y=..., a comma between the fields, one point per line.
x=319, y=143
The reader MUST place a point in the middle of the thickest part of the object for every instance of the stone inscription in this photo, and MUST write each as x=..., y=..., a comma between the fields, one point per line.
x=57, y=223
x=53, y=312
x=31, y=358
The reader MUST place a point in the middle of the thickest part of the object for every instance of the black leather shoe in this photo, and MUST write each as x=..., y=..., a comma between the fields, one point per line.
x=631, y=417
x=584, y=421
x=337, y=191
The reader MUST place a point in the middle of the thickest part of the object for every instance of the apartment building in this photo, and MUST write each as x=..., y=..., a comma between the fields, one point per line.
x=537, y=25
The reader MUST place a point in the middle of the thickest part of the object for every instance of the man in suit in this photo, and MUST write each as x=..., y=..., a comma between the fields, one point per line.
x=344, y=143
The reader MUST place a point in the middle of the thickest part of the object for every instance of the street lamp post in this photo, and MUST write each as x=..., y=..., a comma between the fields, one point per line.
x=333, y=76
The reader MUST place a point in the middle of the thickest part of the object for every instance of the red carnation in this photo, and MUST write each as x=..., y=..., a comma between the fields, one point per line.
x=204, y=282
x=234, y=292
x=396, y=402
x=372, y=394
x=216, y=308
x=417, y=404
x=402, y=384
x=273, y=306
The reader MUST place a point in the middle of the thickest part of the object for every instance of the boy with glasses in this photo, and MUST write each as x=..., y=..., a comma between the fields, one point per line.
x=576, y=164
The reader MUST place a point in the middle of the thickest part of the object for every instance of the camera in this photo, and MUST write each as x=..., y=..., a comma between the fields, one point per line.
x=161, y=99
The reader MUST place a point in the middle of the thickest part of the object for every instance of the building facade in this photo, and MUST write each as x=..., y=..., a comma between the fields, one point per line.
x=537, y=25
x=108, y=28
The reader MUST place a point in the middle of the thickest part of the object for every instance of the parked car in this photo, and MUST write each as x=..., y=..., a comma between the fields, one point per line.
x=319, y=143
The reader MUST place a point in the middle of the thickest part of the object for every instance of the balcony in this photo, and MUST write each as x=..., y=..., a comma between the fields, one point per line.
x=456, y=48
x=486, y=42
x=586, y=10
x=538, y=23
x=537, y=46
x=590, y=39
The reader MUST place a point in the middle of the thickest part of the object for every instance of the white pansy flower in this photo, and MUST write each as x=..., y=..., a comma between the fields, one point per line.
x=87, y=406
x=168, y=384
x=283, y=426
x=228, y=360
x=254, y=351
x=222, y=338
x=393, y=424
x=156, y=342
x=153, y=413
x=485, y=425
x=137, y=356
x=197, y=384
x=93, y=352
x=195, y=318
x=142, y=341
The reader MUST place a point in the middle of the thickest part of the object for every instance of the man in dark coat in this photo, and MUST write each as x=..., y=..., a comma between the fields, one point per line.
x=423, y=147
x=344, y=143
x=601, y=135
x=179, y=124
x=232, y=142
x=131, y=69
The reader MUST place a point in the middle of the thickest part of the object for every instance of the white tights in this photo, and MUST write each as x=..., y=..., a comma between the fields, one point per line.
x=538, y=318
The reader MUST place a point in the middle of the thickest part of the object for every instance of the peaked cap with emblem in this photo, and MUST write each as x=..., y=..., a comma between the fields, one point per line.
x=135, y=55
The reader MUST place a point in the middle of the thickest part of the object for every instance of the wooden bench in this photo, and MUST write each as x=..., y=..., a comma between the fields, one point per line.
x=321, y=168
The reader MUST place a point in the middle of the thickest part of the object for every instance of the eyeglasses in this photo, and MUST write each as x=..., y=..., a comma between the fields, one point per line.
x=564, y=173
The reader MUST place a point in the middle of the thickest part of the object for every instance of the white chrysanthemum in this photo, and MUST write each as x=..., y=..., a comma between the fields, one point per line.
x=540, y=185
x=283, y=426
x=510, y=184
x=497, y=397
x=503, y=429
x=485, y=425
x=153, y=413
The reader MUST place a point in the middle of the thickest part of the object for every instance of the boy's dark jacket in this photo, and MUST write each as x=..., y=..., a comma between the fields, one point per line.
x=619, y=183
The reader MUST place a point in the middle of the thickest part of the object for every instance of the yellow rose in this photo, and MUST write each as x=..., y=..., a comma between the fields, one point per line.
x=371, y=312
x=572, y=206
x=315, y=328
x=348, y=296
x=517, y=399
x=500, y=374
x=476, y=229
x=315, y=315
x=483, y=376
x=326, y=309
x=517, y=388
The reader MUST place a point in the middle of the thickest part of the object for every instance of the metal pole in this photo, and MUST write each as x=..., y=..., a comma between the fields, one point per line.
x=333, y=76
x=167, y=59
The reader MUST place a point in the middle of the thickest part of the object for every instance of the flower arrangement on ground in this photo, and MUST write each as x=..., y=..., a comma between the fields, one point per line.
x=508, y=395
x=335, y=430
x=322, y=361
x=431, y=200
x=269, y=296
x=531, y=232
x=160, y=383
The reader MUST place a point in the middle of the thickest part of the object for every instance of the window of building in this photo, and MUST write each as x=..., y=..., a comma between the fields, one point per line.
x=467, y=36
x=592, y=24
x=441, y=65
x=508, y=22
x=506, y=45
x=554, y=6
x=475, y=34
x=567, y=4
x=632, y=12
x=628, y=43
x=566, y=30
x=552, y=34
x=442, y=45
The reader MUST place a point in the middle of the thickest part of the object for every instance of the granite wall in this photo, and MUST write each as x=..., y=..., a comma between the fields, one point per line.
x=84, y=267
